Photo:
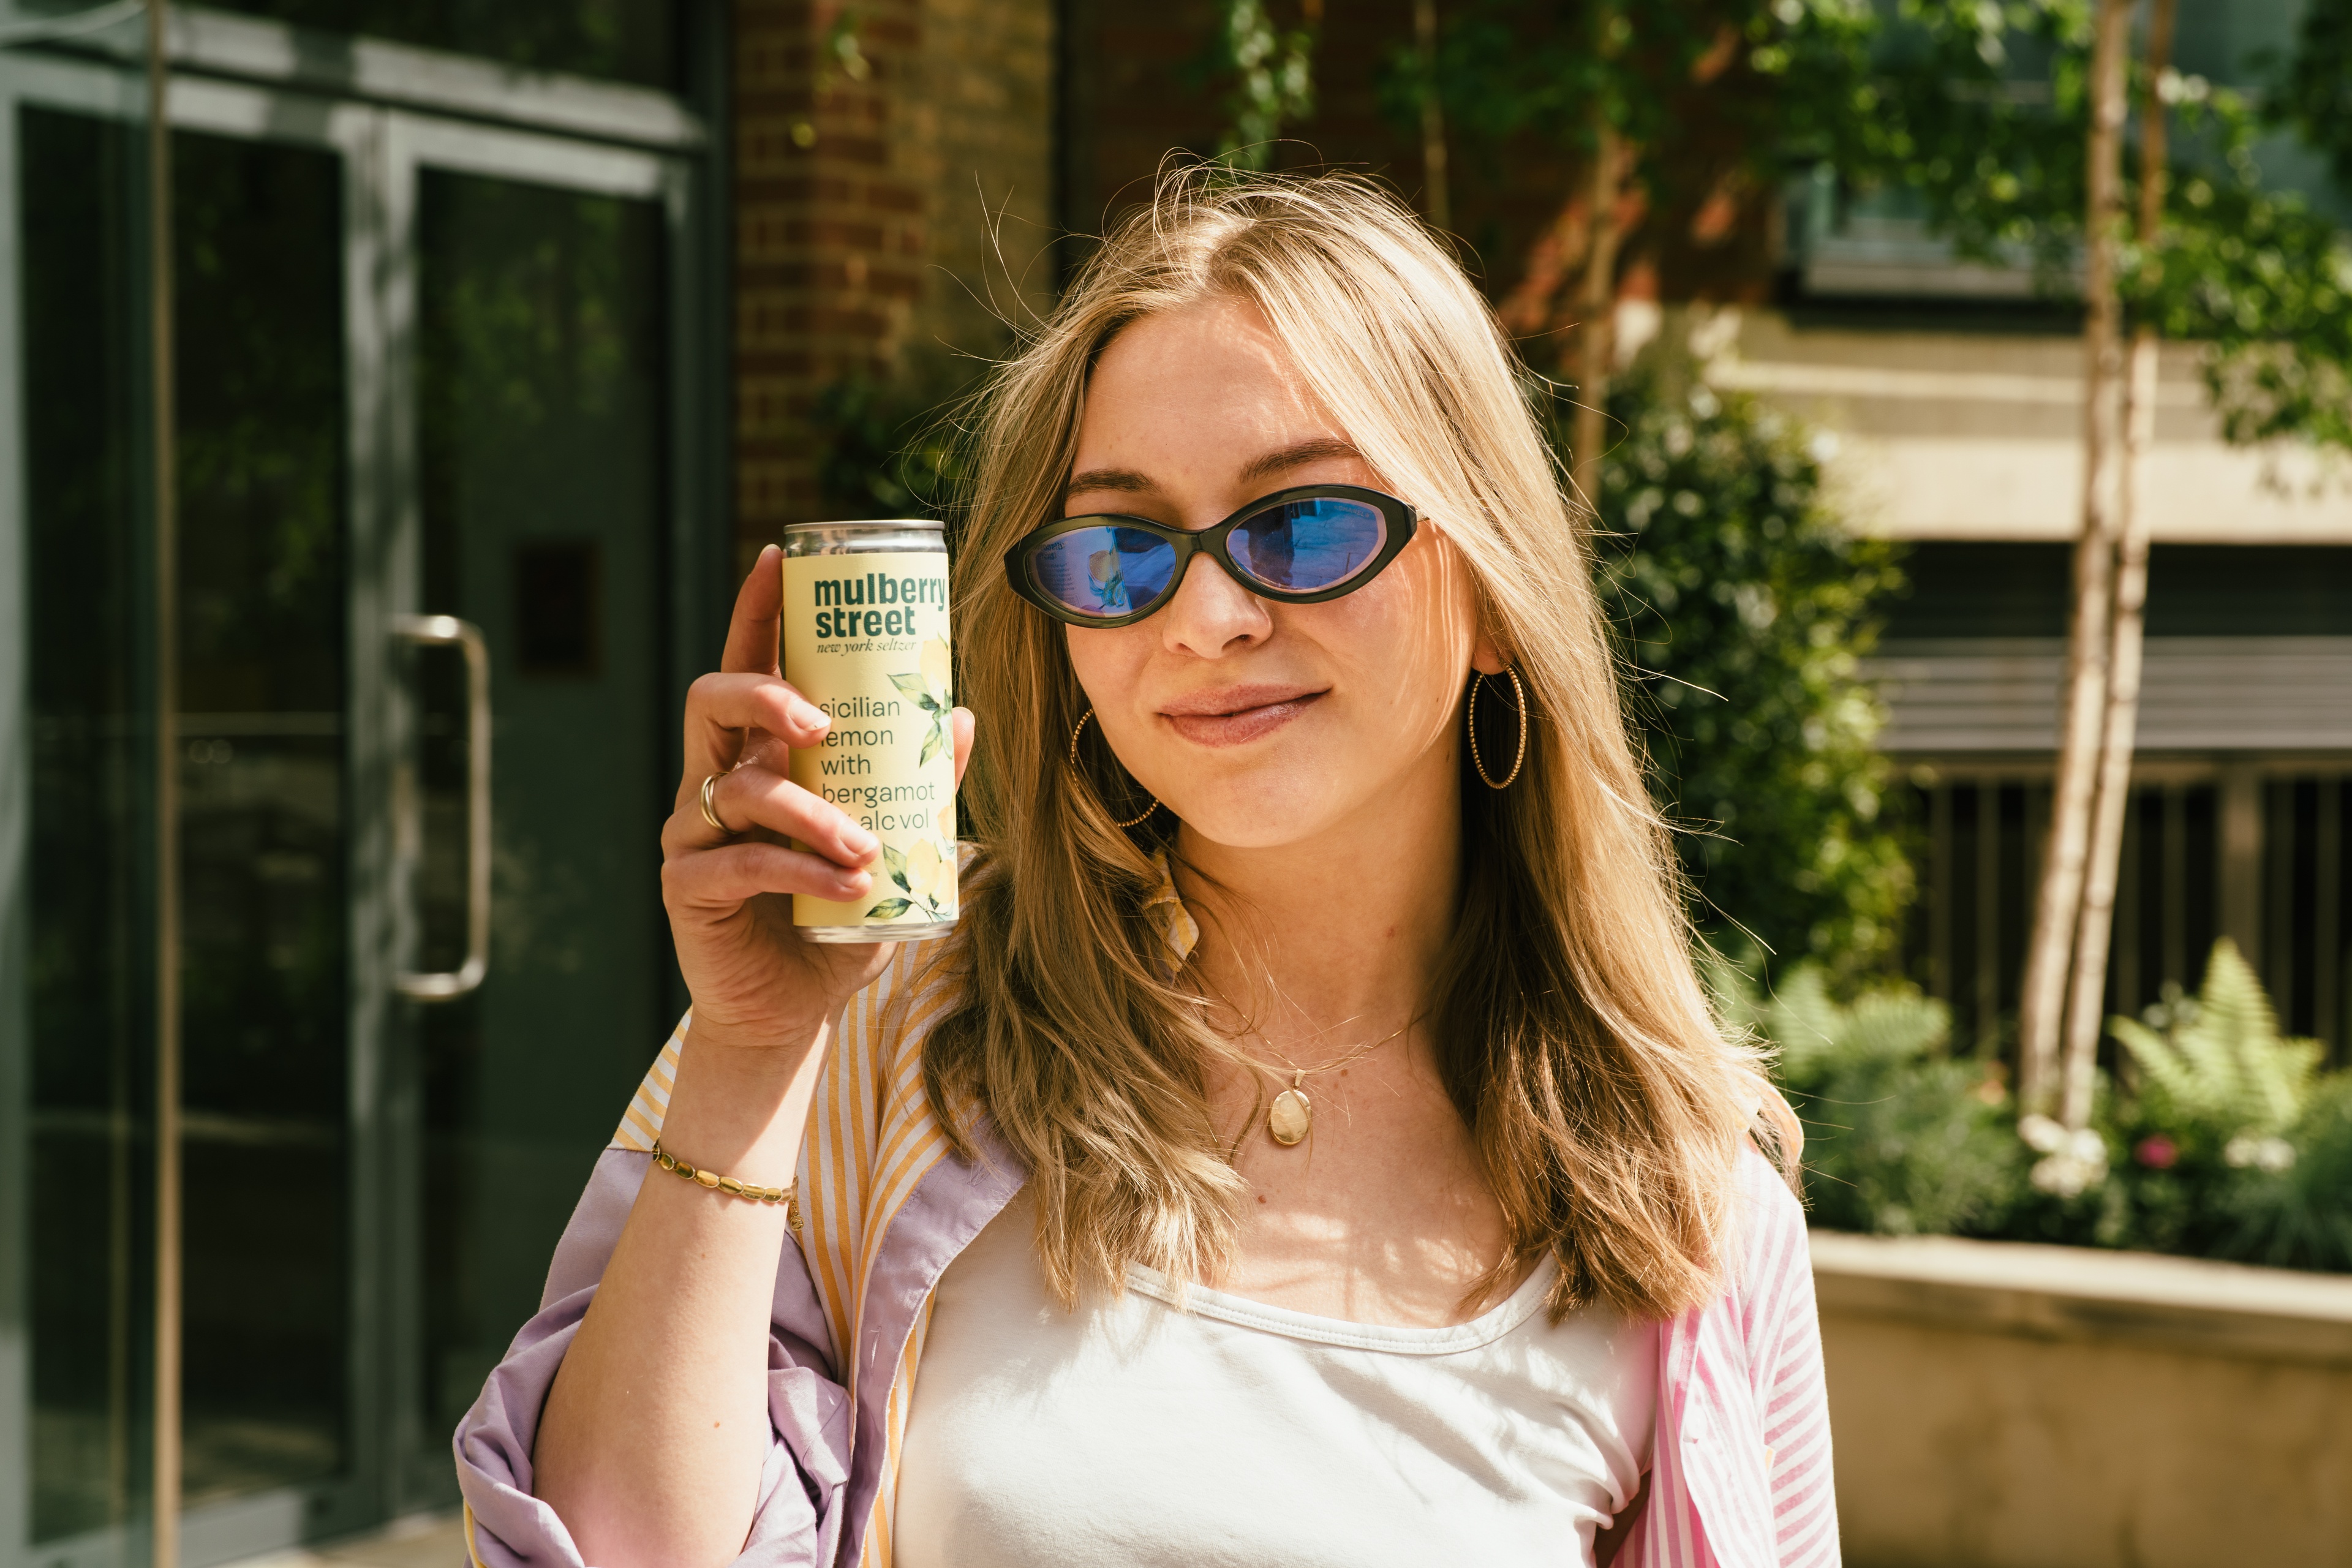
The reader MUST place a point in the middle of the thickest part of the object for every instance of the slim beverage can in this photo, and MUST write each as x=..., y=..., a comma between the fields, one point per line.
x=865, y=638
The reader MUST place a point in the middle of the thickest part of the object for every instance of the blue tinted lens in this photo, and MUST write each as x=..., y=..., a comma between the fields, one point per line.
x=1305, y=546
x=1106, y=571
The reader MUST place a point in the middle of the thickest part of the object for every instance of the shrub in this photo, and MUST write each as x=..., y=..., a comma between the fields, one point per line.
x=1746, y=605
x=2215, y=1064
x=2299, y=1214
x=1899, y=1137
x=2238, y=1148
x=2228, y=1145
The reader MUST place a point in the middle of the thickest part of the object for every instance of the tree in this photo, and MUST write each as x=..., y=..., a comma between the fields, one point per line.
x=2111, y=771
x=2060, y=904
x=2011, y=121
x=2254, y=274
x=1669, y=113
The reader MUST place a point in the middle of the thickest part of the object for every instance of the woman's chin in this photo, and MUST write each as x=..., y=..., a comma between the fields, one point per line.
x=1274, y=817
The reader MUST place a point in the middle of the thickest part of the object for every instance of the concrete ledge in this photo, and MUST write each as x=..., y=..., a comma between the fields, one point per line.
x=2000, y=1405
x=2078, y=1293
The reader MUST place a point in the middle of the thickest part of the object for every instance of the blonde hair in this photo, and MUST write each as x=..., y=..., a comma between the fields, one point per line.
x=1607, y=1107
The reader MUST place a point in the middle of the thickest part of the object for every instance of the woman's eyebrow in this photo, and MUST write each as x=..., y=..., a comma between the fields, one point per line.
x=1123, y=479
x=1265, y=465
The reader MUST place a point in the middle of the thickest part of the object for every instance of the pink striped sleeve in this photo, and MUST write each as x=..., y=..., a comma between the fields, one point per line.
x=1665, y=1532
x=1784, y=1354
x=1739, y=1474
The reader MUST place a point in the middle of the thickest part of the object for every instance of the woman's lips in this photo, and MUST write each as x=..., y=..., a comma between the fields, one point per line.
x=1238, y=715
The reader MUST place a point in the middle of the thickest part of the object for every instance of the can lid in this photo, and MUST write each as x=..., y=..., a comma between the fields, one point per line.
x=932, y=524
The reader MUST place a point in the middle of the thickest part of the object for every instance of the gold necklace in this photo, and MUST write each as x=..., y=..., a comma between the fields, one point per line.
x=1292, y=1115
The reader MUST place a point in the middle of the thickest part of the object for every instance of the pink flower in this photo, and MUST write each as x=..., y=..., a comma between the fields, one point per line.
x=2157, y=1152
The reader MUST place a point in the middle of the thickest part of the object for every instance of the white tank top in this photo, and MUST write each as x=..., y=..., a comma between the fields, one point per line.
x=1233, y=1433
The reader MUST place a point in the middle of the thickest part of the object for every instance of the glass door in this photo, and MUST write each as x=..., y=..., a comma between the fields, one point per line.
x=425, y=367
x=542, y=375
x=77, y=811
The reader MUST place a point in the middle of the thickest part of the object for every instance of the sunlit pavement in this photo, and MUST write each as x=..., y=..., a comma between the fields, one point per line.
x=419, y=1540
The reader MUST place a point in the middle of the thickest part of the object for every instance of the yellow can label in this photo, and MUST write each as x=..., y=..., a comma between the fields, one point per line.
x=865, y=639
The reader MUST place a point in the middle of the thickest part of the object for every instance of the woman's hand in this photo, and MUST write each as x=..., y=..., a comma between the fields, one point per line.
x=755, y=980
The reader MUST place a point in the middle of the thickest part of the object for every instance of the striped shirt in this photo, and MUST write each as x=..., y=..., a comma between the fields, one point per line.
x=1738, y=1474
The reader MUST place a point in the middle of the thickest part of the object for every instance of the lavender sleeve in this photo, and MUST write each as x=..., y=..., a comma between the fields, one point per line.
x=798, y=1521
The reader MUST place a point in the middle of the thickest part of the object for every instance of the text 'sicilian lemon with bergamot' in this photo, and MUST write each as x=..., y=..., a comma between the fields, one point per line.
x=865, y=638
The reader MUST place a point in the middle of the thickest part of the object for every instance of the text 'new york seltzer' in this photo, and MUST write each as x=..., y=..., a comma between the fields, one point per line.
x=865, y=639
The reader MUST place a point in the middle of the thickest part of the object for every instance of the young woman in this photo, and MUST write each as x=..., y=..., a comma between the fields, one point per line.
x=1313, y=1145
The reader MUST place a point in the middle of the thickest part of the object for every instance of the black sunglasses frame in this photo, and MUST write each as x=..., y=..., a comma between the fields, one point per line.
x=1400, y=517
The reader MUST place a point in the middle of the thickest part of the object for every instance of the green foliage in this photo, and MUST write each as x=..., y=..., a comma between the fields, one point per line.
x=1979, y=110
x=1899, y=1137
x=1746, y=605
x=1713, y=98
x=1749, y=78
x=2221, y=1064
x=2300, y=1216
x=1982, y=111
x=2257, y=275
x=891, y=448
x=2315, y=93
x=2229, y=1147
x=2214, y=1132
x=1272, y=73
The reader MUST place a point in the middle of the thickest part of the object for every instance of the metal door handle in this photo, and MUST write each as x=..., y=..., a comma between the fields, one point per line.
x=442, y=631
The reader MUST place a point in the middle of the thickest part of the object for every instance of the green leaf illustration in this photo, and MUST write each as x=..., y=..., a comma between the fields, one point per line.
x=889, y=908
x=913, y=685
x=933, y=742
x=894, y=860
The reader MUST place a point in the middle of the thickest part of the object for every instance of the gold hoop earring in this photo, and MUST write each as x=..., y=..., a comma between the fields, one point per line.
x=1520, y=758
x=1075, y=730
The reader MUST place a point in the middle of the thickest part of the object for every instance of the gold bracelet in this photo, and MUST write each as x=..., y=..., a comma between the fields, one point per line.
x=719, y=1183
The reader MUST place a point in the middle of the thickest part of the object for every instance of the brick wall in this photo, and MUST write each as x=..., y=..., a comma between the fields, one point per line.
x=899, y=207
x=1131, y=96
x=1128, y=100
x=869, y=184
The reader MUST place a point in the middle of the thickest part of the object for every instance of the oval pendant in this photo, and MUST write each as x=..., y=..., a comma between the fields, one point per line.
x=1287, y=1122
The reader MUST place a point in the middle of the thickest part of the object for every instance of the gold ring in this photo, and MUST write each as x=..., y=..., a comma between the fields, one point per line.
x=710, y=812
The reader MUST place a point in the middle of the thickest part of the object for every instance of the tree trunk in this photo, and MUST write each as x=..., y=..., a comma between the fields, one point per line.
x=1436, y=206
x=2085, y=1012
x=1597, y=305
x=2041, y=1007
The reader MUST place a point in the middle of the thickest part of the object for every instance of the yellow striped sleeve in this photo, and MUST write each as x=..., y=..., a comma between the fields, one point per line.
x=871, y=1141
x=872, y=1137
x=642, y=1122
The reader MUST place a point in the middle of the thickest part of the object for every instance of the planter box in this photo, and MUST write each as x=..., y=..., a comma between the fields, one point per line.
x=2001, y=1405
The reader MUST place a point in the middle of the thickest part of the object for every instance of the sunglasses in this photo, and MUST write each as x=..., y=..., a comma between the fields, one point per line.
x=1297, y=546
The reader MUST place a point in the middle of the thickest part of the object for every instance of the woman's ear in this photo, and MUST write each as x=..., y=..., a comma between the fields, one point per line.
x=1486, y=654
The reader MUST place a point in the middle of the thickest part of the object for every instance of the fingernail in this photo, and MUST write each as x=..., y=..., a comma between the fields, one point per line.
x=807, y=716
x=856, y=883
x=859, y=842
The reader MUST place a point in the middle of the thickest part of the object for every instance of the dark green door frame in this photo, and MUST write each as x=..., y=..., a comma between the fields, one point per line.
x=655, y=154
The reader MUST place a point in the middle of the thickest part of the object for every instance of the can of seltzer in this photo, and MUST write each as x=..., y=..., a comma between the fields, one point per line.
x=865, y=639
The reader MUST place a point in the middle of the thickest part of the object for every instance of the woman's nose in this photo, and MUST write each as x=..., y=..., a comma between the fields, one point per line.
x=1210, y=614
